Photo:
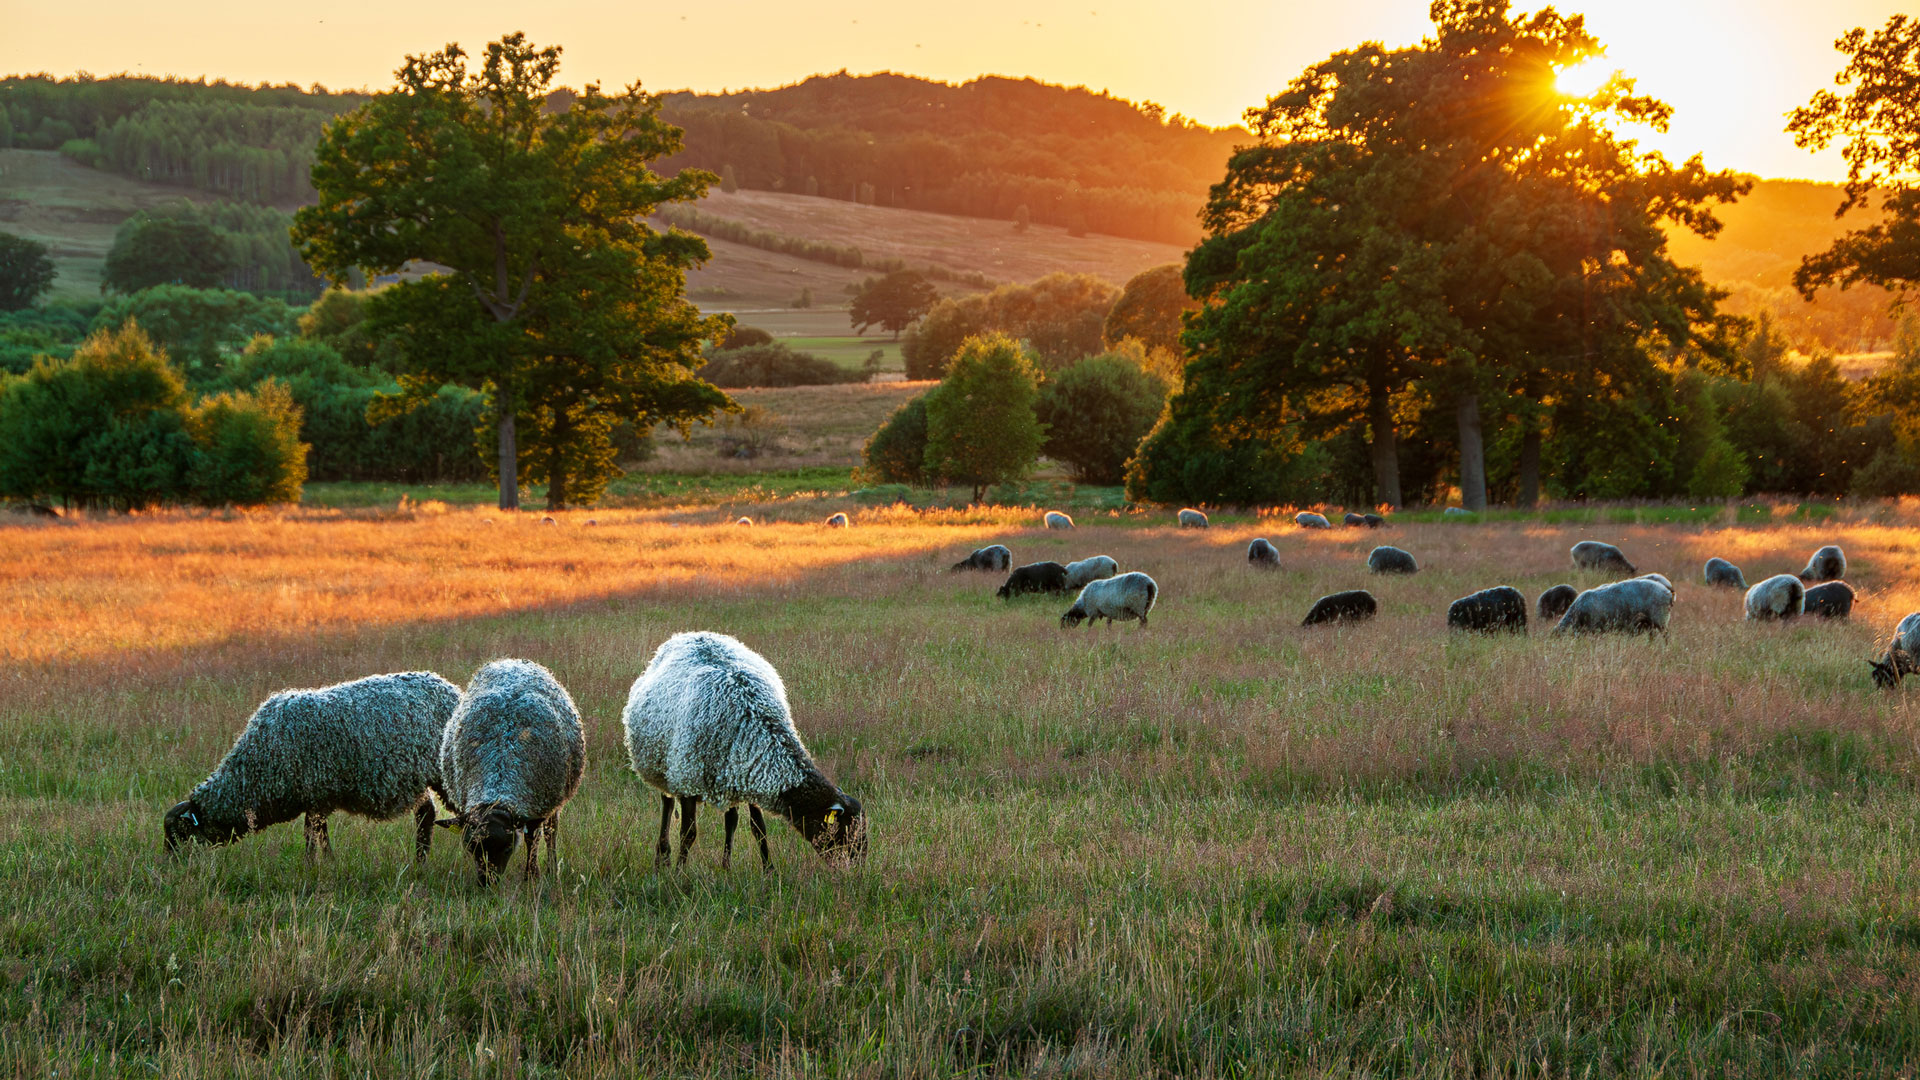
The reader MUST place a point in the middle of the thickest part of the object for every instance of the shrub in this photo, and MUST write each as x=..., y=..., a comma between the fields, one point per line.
x=1096, y=412
x=1189, y=457
x=773, y=365
x=199, y=328
x=749, y=433
x=897, y=452
x=250, y=448
x=742, y=336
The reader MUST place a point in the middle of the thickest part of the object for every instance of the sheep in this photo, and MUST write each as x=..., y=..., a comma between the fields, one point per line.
x=1353, y=520
x=1057, y=520
x=838, y=521
x=548, y=521
x=1354, y=605
x=1306, y=519
x=1129, y=596
x=1047, y=577
x=1781, y=596
x=1628, y=607
x=368, y=747
x=1723, y=574
x=1263, y=554
x=1192, y=519
x=1456, y=511
x=1502, y=607
x=512, y=755
x=743, y=521
x=1555, y=602
x=1594, y=555
x=1827, y=564
x=1391, y=560
x=708, y=720
x=591, y=522
x=1660, y=578
x=1373, y=521
x=991, y=557
x=1901, y=651
x=1830, y=600
x=1094, y=568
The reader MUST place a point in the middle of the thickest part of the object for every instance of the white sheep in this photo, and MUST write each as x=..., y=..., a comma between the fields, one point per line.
x=368, y=747
x=1387, y=559
x=1093, y=568
x=1594, y=555
x=1781, y=596
x=1903, y=654
x=1827, y=564
x=838, y=521
x=1307, y=519
x=1724, y=574
x=991, y=557
x=1262, y=553
x=709, y=721
x=743, y=521
x=1129, y=596
x=1661, y=578
x=512, y=756
x=1629, y=607
x=1192, y=519
x=1057, y=520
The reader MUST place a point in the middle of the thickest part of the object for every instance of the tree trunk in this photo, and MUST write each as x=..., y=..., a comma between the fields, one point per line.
x=1530, y=463
x=509, y=455
x=1385, y=448
x=556, y=463
x=1473, y=454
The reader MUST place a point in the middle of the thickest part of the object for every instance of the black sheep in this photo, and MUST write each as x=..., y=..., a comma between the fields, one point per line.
x=1354, y=519
x=1555, y=602
x=1373, y=521
x=1040, y=577
x=1354, y=605
x=1502, y=607
x=1263, y=554
x=1833, y=600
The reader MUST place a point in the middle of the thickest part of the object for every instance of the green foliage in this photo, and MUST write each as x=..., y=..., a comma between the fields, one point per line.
x=25, y=271
x=1060, y=317
x=164, y=251
x=112, y=426
x=1190, y=457
x=1096, y=411
x=893, y=302
x=48, y=330
x=981, y=428
x=1712, y=465
x=741, y=336
x=1149, y=309
x=896, y=453
x=199, y=328
x=227, y=244
x=773, y=364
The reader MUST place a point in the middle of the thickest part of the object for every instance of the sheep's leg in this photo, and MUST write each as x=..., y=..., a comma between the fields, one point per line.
x=531, y=833
x=422, y=830
x=726, y=849
x=317, y=835
x=662, y=853
x=758, y=826
x=689, y=825
x=552, y=830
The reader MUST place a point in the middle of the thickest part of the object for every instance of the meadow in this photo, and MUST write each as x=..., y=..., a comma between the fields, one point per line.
x=1218, y=845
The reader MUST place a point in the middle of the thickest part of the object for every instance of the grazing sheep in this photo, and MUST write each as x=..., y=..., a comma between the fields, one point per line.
x=1661, y=578
x=1090, y=569
x=1781, y=596
x=1129, y=596
x=1721, y=573
x=991, y=557
x=1046, y=577
x=1625, y=607
x=1263, y=554
x=1353, y=520
x=743, y=521
x=1594, y=555
x=369, y=747
x=1827, y=564
x=1391, y=560
x=1456, y=511
x=548, y=521
x=708, y=721
x=838, y=521
x=512, y=756
x=1555, y=602
x=1192, y=519
x=1373, y=521
x=1057, y=520
x=1354, y=605
x=591, y=521
x=1307, y=519
x=1831, y=600
x=1901, y=651
x=1502, y=607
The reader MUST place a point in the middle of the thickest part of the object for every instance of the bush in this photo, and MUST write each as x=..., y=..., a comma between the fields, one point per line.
x=741, y=337
x=1096, y=412
x=250, y=448
x=49, y=330
x=773, y=365
x=1190, y=458
x=26, y=271
x=897, y=452
x=201, y=329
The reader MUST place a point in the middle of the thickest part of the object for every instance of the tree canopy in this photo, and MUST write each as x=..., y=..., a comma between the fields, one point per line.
x=26, y=271
x=981, y=428
x=893, y=302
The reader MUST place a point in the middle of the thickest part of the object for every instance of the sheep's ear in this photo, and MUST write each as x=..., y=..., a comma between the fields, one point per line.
x=449, y=823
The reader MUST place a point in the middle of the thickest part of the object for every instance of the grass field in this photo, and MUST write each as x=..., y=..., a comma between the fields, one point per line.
x=1218, y=845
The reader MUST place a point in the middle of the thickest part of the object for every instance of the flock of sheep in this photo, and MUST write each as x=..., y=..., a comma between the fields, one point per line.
x=707, y=721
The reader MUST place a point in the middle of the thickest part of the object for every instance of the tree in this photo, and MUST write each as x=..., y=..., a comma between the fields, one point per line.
x=1061, y=316
x=892, y=303
x=25, y=271
x=1022, y=218
x=729, y=183
x=896, y=453
x=1096, y=412
x=1149, y=308
x=981, y=428
x=1877, y=113
x=557, y=299
x=200, y=329
x=166, y=251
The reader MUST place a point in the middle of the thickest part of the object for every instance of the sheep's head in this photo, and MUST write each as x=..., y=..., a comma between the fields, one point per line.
x=489, y=833
x=1074, y=617
x=187, y=821
x=1006, y=591
x=829, y=818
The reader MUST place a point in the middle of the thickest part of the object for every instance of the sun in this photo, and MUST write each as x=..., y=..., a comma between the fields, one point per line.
x=1583, y=79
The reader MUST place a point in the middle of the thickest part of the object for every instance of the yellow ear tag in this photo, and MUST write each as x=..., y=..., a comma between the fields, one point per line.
x=833, y=816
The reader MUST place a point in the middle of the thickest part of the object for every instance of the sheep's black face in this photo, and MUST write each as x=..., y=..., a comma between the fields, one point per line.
x=489, y=835
x=1006, y=591
x=1885, y=676
x=838, y=832
x=186, y=821
x=1074, y=617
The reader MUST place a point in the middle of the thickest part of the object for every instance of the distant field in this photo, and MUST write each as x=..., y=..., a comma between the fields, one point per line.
x=1219, y=845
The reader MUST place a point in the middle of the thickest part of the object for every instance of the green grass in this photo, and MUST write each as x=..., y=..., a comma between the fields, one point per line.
x=851, y=352
x=1219, y=845
x=634, y=489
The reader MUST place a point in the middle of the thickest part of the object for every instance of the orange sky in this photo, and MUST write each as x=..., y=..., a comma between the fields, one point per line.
x=1731, y=68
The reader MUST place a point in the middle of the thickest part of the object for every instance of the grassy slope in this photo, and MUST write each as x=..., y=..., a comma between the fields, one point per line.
x=73, y=210
x=1218, y=844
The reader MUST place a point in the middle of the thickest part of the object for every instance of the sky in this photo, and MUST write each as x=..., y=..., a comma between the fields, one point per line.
x=1732, y=69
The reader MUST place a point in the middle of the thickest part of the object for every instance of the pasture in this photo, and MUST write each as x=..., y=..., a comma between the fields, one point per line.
x=1218, y=845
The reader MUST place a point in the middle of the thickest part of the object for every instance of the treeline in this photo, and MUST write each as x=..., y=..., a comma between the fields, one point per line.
x=692, y=219
x=984, y=148
x=243, y=246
